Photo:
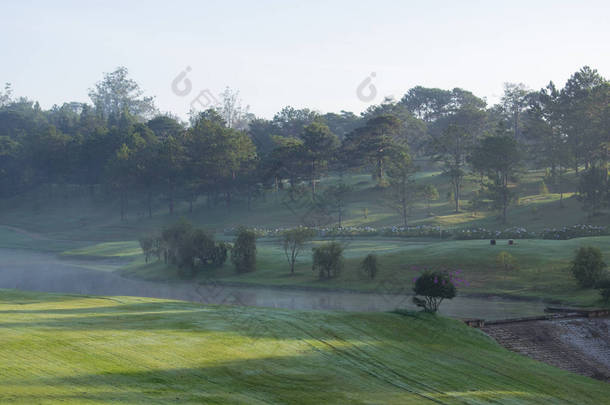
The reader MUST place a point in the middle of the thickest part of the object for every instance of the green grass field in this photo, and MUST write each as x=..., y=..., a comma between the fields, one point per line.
x=541, y=267
x=95, y=350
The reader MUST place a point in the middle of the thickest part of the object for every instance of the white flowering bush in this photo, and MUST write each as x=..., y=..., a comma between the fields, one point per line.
x=431, y=231
x=574, y=231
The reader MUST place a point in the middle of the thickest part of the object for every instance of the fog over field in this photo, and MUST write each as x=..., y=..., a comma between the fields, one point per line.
x=305, y=202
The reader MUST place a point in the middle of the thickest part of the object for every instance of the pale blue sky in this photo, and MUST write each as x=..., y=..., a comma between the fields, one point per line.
x=301, y=53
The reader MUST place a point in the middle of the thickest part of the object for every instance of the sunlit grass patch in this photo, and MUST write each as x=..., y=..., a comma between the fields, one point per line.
x=76, y=349
x=124, y=249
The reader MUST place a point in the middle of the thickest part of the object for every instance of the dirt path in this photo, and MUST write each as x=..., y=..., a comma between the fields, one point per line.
x=580, y=345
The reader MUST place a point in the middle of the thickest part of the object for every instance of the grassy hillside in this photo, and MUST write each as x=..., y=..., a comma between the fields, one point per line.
x=541, y=267
x=67, y=215
x=94, y=350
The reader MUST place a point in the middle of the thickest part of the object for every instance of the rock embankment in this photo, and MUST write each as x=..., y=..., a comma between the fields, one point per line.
x=580, y=345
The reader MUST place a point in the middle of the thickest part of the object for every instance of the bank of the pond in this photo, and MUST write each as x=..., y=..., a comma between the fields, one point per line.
x=37, y=271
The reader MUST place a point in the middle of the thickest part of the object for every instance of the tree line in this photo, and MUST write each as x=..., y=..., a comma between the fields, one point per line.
x=120, y=146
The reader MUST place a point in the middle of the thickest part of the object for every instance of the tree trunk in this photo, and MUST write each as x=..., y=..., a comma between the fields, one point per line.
x=313, y=179
x=456, y=196
x=170, y=196
x=122, y=206
x=560, y=188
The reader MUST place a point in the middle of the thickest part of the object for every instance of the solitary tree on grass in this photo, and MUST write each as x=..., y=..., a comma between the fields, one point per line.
x=369, y=265
x=293, y=241
x=434, y=287
x=588, y=266
x=328, y=260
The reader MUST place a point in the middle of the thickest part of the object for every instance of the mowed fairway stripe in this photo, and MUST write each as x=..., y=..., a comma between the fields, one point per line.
x=83, y=350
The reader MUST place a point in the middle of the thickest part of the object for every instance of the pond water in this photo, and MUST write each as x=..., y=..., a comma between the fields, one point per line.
x=35, y=271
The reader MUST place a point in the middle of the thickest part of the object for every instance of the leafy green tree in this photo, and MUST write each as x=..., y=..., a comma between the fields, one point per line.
x=243, y=253
x=428, y=104
x=514, y=104
x=411, y=130
x=290, y=122
x=164, y=126
x=319, y=145
x=545, y=134
x=430, y=193
x=588, y=266
x=373, y=144
x=369, y=265
x=583, y=101
x=293, y=241
x=151, y=246
x=261, y=131
x=452, y=148
x=604, y=290
x=342, y=124
x=208, y=252
x=458, y=123
x=6, y=96
x=286, y=162
x=401, y=193
x=498, y=158
x=171, y=166
x=117, y=93
x=177, y=247
x=328, y=260
x=216, y=154
x=477, y=202
x=594, y=190
x=9, y=168
x=434, y=287
x=120, y=175
x=335, y=197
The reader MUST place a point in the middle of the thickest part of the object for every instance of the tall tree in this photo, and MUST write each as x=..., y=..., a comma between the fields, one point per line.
x=232, y=110
x=498, y=158
x=514, y=103
x=117, y=93
x=335, y=198
x=578, y=114
x=289, y=122
x=373, y=144
x=548, y=141
x=401, y=193
x=6, y=96
x=319, y=146
x=454, y=143
x=594, y=190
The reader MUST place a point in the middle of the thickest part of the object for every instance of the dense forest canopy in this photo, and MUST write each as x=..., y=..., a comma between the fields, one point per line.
x=121, y=144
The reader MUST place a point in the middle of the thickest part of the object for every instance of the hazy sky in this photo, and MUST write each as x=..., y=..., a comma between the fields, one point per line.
x=301, y=53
